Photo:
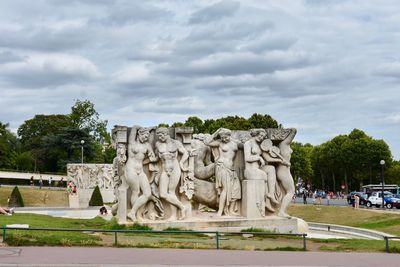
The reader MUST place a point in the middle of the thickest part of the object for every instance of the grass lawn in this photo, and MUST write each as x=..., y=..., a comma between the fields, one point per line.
x=35, y=197
x=388, y=222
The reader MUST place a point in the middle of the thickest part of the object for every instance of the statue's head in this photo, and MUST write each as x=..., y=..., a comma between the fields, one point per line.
x=162, y=134
x=225, y=135
x=258, y=134
x=143, y=134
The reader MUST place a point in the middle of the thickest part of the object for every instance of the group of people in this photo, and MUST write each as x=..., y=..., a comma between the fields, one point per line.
x=71, y=188
x=50, y=181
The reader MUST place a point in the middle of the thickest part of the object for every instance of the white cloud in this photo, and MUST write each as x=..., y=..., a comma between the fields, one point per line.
x=39, y=70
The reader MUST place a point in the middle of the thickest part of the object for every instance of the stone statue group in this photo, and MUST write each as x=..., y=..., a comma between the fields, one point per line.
x=165, y=173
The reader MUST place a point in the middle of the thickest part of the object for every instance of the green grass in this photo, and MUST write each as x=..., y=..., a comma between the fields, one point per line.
x=363, y=218
x=386, y=222
x=35, y=197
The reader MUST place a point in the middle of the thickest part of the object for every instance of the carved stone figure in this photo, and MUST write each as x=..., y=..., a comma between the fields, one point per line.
x=118, y=168
x=283, y=174
x=138, y=150
x=204, y=168
x=227, y=181
x=167, y=150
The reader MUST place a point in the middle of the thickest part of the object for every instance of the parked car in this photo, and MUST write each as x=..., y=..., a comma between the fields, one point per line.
x=390, y=200
x=363, y=198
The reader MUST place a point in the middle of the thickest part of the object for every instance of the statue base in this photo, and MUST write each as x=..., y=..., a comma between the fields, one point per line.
x=209, y=221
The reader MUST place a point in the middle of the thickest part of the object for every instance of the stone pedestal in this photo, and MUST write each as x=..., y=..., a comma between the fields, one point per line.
x=253, y=203
x=122, y=205
x=73, y=201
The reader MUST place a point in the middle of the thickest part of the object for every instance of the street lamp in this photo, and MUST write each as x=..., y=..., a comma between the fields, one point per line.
x=382, y=162
x=82, y=142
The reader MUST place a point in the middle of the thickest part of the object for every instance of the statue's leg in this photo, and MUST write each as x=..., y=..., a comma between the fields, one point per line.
x=271, y=182
x=173, y=183
x=286, y=180
x=132, y=180
x=146, y=193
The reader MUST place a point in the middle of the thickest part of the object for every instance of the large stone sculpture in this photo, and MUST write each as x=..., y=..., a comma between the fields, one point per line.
x=161, y=174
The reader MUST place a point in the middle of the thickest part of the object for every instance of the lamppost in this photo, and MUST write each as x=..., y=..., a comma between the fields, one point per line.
x=382, y=162
x=82, y=142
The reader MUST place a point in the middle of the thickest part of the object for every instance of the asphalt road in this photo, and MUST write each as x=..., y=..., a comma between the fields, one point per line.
x=82, y=256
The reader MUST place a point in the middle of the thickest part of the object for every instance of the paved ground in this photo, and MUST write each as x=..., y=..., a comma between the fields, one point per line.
x=76, y=256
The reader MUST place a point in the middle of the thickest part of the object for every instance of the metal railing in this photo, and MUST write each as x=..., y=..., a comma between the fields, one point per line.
x=216, y=233
x=386, y=238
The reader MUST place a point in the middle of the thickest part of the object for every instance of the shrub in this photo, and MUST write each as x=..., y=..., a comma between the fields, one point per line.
x=16, y=198
x=96, y=199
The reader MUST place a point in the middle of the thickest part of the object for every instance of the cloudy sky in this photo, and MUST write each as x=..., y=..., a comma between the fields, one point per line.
x=324, y=67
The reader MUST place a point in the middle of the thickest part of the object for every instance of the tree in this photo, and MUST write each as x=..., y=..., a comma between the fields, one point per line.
x=230, y=122
x=24, y=161
x=96, y=199
x=33, y=134
x=392, y=174
x=196, y=123
x=163, y=125
x=177, y=124
x=262, y=121
x=301, y=161
x=85, y=117
x=65, y=147
x=16, y=198
x=8, y=147
x=352, y=160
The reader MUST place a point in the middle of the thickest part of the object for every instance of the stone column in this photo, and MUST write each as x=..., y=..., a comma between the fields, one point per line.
x=122, y=205
x=253, y=203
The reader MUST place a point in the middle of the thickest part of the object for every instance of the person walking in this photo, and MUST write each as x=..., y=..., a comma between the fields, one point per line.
x=304, y=197
x=50, y=180
x=356, y=201
x=40, y=182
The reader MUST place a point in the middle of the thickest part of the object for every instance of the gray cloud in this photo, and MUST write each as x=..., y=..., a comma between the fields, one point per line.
x=325, y=67
x=215, y=12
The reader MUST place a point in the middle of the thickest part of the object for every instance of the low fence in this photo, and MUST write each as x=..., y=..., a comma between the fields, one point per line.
x=217, y=234
x=387, y=238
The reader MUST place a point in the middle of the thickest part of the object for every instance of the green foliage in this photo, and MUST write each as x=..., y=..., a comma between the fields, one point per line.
x=262, y=121
x=24, y=161
x=138, y=226
x=230, y=122
x=350, y=160
x=16, y=198
x=196, y=123
x=177, y=124
x=85, y=117
x=96, y=199
x=301, y=165
x=8, y=147
x=54, y=140
x=392, y=174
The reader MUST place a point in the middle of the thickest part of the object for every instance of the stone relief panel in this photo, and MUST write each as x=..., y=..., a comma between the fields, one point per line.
x=88, y=176
x=164, y=173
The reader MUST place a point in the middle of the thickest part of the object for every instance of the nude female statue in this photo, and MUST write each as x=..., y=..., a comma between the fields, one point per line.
x=138, y=149
x=227, y=181
x=258, y=163
x=167, y=150
x=283, y=173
